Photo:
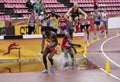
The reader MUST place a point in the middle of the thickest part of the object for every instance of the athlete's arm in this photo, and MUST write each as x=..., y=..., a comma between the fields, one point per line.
x=70, y=42
x=56, y=40
x=74, y=49
x=68, y=13
x=80, y=10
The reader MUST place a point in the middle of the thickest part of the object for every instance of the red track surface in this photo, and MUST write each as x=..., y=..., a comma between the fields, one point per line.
x=111, y=49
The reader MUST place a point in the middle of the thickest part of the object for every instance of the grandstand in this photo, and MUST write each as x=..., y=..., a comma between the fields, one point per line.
x=13, y=8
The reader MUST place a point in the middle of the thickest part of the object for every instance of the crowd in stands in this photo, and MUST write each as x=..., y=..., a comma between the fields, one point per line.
x=80, y=21
x=59, y=22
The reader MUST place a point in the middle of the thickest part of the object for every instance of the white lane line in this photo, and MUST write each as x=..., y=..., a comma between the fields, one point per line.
x=110, y=74
x=104, y=52
x=105, y=71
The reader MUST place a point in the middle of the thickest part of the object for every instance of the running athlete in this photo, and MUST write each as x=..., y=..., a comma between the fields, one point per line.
x=104, y=21
x=53, y=20
x=82, y=23
x=67, y=46
x=74, y=13
x=85, y=24
x=97, y=19
x=50, y=48
x=62, y=24
x=88, y=24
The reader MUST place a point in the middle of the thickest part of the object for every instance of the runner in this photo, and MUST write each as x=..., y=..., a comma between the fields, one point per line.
x=88, y=24
x=50, y=48
x=97, y=19
x=62, y=24
x=67, y=46
x=53, y=20
x=74, y=13
x=104, y=21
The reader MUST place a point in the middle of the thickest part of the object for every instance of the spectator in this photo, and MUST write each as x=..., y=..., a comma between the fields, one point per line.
x=31, y=24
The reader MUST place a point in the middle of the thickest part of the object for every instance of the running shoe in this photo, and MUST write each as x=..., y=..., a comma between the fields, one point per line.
x=52, y=68
x=45, y=71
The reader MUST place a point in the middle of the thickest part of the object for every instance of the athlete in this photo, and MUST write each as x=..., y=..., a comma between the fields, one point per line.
x=67, y=46
x=74, y=13
x=50, y=48
x=82, y=23
x=104, y=21
x=85, y=24
x=88, y=24
x=97, y=19
x=53, y=20
x=62, y=24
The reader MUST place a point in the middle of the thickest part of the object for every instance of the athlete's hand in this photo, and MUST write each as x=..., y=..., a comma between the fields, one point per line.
x=79, y=45
x=41, y=51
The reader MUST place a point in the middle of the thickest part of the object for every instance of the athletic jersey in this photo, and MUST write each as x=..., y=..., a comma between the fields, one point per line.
x=53, y=22
x=32, y=22
x=62, y=22
x=104, y=16
x=83, y=21
x=88, y=21
x=96, y=17
x=50, y=37
x=65, y=43
x=74, y=14
x=50, y=40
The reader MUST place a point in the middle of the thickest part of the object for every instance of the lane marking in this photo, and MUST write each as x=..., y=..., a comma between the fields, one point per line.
x=104, y=52
x=110, y=74
x=108, y=59
x=105, y=71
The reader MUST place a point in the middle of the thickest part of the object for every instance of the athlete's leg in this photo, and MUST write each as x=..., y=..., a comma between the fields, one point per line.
x=72, y=22
x=50, y=57
x=81, y=28
x=45, y=53
x=87, y=30
x=102, y=27
x=106, y=26
x=76, y=20
x=95, y=27
x=65, y=51
x=72, y=56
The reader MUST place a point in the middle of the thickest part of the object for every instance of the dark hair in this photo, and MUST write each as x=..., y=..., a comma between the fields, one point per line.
x=47, y=28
